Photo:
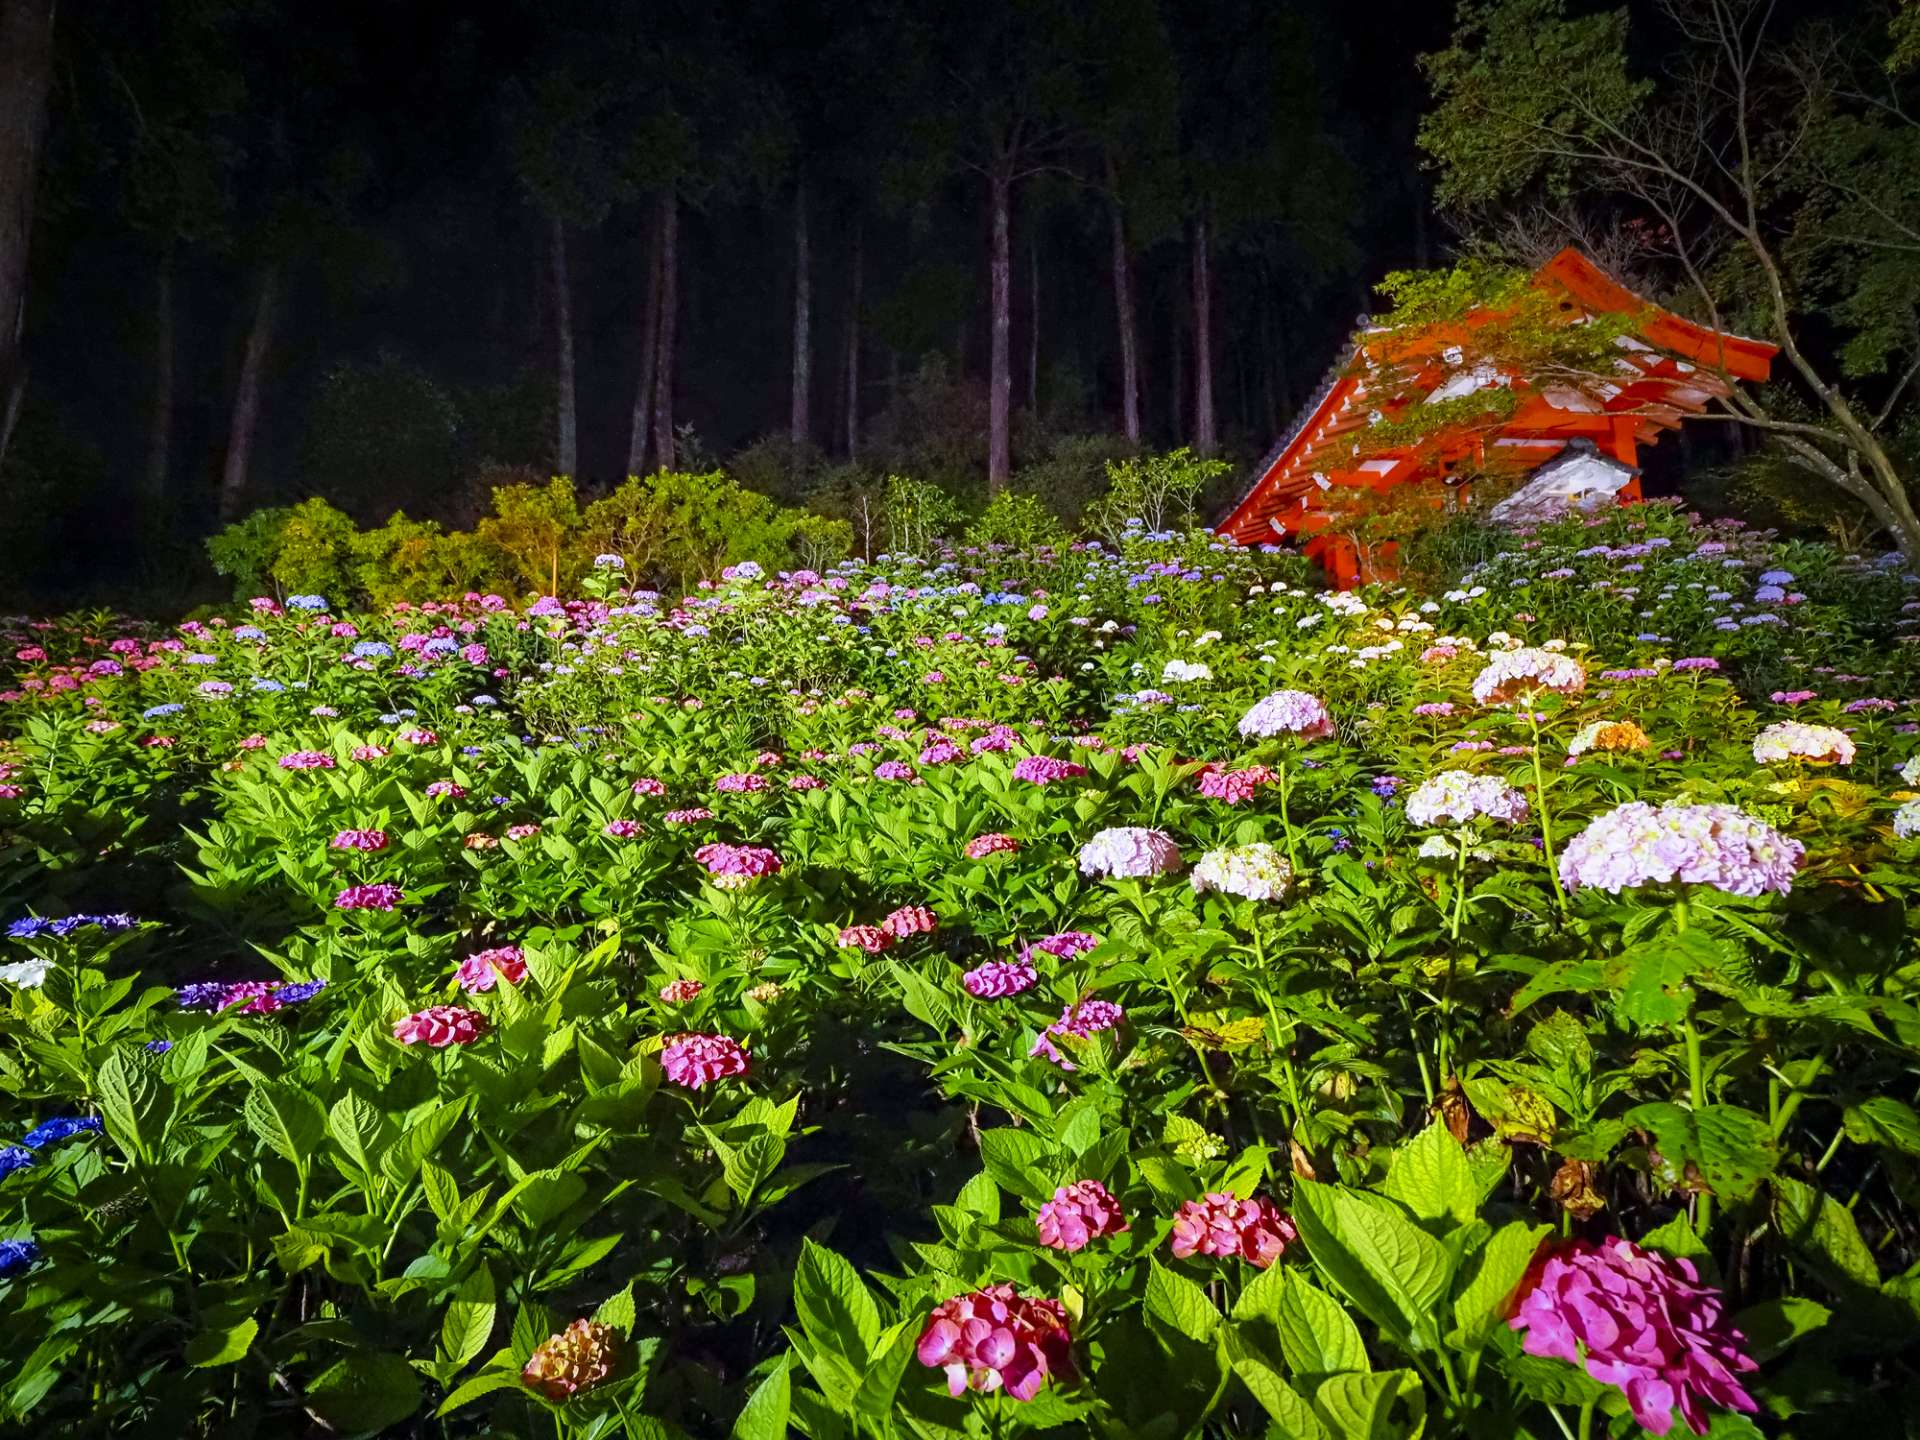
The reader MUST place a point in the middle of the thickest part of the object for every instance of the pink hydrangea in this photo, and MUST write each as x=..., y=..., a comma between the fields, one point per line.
x=679, y=992
x=360, y=840
x=999, y=979
x=1130, y=852
x=307, y=760
x=1792, y=740
x=416, y=736
x=364, y=753
x=870, y=938
x=1045, y=770
x=894, y=770
x=740, y=783
x=1082, y=1019
x=1234, y=787
x=1512, y=674
x=368, y=897
x=692, y=816
x=1287, y=712
x=1062, y=946
x=942, y=752
x=696, y=1061
x=621, y=829
x=732, y=867
x=440, y=1026
x=992, y=843
x=522, y=832
x=997, y=1339
x=647, y=785
x=446, y=790
x=1078, y=1215
x=1458, y=796
x=483, y=969
x=1640, y=1322
x=1221, y=1225
x=910, y=920
x=805, y=782
x=1718, y=845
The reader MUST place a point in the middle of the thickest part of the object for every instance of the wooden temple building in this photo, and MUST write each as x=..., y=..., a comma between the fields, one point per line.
x=1577, y=443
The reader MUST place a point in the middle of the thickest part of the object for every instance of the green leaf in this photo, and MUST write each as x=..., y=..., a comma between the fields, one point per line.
x=493, y=1377
x=834, y=1306
x=1480, y=1298
x=1737, y=1150
x=1293, y=1418
x=365, y=1393
x=1180, y=1304
x=130, y=1104
x=287, y=1119
x=618, y=1311
x=1360, y=1407
x=545, y=1195
x=222, y=1345
x=981, y=1196
x=1013, y=1158
x=1385, y=1264
x=468, y=1323
x=359, y=1130
x=1773, y=1325
x=1317, y=1336
x=1883, y=1120
x=765, y=1415
x=1431, y=1177
x=1822, y=1228
x=752, y=1163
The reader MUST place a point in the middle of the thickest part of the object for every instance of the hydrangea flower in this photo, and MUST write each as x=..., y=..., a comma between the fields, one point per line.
x=484, y=969
x=733, y=867
x=1082, y=1019
x=1221, y=1225
x=578, y=1358
x=1078, y=1214
x=1180, y=671
x=870, y=938
x=1257, y=871
x=894, y=770
x=1910, y=771
x=696, y=1061
x=1906, y=821
x=1459, y=796
x=16, y=1256
x=1613, y=736
x=999, y=979
x=910, y=920
x=1234, y=787
x=997, y=1339
x=1640, y=1322
x=308, y=760
x=369, y=897
x=679, y=992
x=439, y=1026
x=1512, y=674
x=739, y=784
x=691, y=816
x=15, y=1157
x=62, y=1127
x=647, y=785
x=1062, y=946
x=1811, y=744
x=360, y=840
x=992, y=843
x=1045, y=770
x=1287, y=712
x=1130, y=852
x=620, y=829
x=1718, y=845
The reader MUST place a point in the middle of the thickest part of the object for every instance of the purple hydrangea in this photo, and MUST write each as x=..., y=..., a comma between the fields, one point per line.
x=1130, y=852
x=1718, y=845
x=1287, y=712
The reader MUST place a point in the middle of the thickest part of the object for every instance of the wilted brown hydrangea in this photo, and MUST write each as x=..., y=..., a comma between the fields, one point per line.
x=580, y=1357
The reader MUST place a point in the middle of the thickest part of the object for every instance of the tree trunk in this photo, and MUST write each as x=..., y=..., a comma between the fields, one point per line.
x=1033, y=331
x=1129, y=336
x=800, y=428
x=1000, y=365
x=1177, y=376
x=642, y=425
x=160, y=427
x=1206, y=433
x=853, y=347
x=566, y=449
x=247, y=397
x=26, y=69
x=669, y=309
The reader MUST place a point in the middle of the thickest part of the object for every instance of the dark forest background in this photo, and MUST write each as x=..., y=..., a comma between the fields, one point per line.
x=282, y=249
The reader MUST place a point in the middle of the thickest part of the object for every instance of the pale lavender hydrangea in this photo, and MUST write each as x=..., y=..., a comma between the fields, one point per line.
x=1458, y=796
x=1130, y=852
x=1906, y=821
x=1717, y=845
x=1254, y=872
x=1287, y=712
x=1512, y=674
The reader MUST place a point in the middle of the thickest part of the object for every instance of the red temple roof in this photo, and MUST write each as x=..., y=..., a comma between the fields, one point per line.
x=1668, y=368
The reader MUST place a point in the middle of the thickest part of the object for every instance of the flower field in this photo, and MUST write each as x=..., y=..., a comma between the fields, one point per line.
x=1127, y=994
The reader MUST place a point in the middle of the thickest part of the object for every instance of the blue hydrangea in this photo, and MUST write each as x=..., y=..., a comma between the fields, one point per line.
x=13, y=1158
x=156, y=711
x=299, y=991
x=17, y=1255
x=62, y=1127
x=249, y=632
x=159, y=1047
x=439, y=645
x=372, y=650
x=268, y=687
x=306, y=602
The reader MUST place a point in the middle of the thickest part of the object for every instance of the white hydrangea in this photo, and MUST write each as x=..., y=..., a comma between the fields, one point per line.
x=1254, y=872
x=1175, y=671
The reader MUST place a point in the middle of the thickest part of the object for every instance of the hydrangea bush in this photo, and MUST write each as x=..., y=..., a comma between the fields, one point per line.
x=1110, y=991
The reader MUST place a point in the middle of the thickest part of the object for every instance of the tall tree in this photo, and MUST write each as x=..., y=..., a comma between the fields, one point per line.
x=26, y=71
x=1774, y=180
x=799, y=428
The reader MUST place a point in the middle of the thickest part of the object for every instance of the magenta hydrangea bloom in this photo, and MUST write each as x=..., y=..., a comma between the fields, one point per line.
x=691, y=816
x=360, y=840
x=1287, y=712
x=483, y=969
x=439, y=1026
x=1718, y=845
x=369, y=897
x=732, y=867
x=308, y=760
x=999, y=979
x=997, y=1339
x=1638, y=1321
x=1234, y=787
x=1130, y=852
x=1221, y=1225
x=741, y=783
x=942, y=751
x=1458, y=796
x=1081, y=1020
x=894, y=770
x=1062, y=946
x=1045, y=770
x=621, y=829
x=870, y=938
x=696, y=1061
x=992, y=843
x=910, y=920
x=1078, y=1214
x=1512, y=674
x=647, y=785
